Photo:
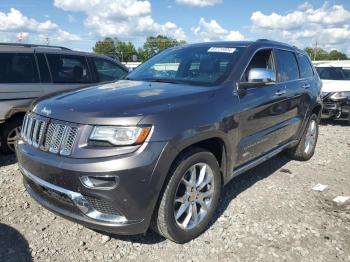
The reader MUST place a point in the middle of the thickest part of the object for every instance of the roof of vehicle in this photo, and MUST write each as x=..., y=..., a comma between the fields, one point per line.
x=29, y=47
x=34, y=48
x=16, y=47
x=257, y=43
x=335, y=63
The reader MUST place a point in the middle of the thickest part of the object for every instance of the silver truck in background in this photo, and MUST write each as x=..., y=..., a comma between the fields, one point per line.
x=28, y=72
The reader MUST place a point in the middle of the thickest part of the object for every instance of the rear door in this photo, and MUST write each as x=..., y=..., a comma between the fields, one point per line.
x=295, y=103
x=67, y=72
x=19, y=82
x=307, y=84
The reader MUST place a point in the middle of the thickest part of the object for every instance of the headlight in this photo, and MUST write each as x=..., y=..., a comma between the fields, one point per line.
x=120, y=136
x=340, y=95
x=323, y=94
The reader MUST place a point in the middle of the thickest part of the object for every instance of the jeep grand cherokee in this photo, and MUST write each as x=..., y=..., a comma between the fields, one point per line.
x=156, y=148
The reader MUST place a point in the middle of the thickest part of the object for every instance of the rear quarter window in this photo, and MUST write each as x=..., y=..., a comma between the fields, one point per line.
x=107, y=70
x=18, y=68
x=306, y=70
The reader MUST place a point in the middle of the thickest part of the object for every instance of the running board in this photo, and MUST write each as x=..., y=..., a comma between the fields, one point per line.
x=261, y=159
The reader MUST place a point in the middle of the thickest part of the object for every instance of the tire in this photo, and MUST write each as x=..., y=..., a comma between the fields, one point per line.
x=304, y=151
x=165, y=222
x=7, y=132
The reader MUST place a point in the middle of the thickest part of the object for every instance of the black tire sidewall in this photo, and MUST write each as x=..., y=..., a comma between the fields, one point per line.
x=5, y=129
x=178, y=234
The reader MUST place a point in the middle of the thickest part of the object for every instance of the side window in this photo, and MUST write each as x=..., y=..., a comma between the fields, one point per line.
x=306, y=70
x=43, y=69
x=287, y=66
x=107, y=70
x=262, y=59
x=346, y=72
x=18, y=68
x=68, y=68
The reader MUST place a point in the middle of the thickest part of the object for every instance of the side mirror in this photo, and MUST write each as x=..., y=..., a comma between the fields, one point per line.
x=259, y=77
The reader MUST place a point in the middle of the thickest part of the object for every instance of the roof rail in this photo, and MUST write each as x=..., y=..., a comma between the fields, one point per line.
x=34, y=45
x=274, y=41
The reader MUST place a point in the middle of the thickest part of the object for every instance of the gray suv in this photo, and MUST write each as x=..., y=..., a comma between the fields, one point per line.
x=31, y=71
x=156, y=148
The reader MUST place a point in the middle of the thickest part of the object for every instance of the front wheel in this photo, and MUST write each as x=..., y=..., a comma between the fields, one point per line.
x=307, y=144
x=190, y=198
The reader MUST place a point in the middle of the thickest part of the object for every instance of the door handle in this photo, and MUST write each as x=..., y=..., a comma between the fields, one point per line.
x=280, y=92
x=306, y=86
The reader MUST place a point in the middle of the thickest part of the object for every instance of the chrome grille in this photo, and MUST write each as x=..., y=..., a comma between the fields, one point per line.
x=68, y=140
x=49, y=135
x=56, y=138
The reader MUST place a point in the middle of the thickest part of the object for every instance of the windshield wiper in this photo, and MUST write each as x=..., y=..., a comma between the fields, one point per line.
x=161, y=80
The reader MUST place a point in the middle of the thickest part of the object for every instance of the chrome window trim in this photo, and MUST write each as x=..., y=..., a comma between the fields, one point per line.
x=273, y=50
x=251, y=58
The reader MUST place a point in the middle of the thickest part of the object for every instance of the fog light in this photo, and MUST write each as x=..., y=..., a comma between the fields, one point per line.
x=100, y=182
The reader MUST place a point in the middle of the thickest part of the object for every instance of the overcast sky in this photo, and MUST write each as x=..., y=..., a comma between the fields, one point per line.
x=79, y=23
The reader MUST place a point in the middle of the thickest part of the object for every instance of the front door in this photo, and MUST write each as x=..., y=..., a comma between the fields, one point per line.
x=262, y=117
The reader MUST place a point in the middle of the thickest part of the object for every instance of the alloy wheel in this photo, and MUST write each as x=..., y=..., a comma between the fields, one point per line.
x=12, y=136
x=194, y=196
x=310, y=138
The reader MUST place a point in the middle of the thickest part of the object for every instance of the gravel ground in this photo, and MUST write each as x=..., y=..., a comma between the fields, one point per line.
x=268, y=214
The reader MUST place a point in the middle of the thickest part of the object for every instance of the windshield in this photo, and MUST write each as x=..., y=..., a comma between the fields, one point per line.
x=333, y=73
x=194, y=65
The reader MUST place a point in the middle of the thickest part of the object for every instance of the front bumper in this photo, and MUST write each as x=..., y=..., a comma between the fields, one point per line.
x=54, y=182
x=336, y=110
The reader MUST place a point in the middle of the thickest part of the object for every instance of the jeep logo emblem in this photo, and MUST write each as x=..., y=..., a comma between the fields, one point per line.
x=46, y=111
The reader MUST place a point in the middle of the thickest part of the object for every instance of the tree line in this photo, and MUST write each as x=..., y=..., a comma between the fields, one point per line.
x=317, y=54
x=127, y=52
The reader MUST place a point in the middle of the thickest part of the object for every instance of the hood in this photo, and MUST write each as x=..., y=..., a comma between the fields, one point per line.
x=121, y=103
x=335, y=85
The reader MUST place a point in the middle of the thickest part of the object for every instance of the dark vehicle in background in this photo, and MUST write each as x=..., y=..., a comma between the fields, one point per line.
x=335, y=77
x=31, y=71
x=156, y=148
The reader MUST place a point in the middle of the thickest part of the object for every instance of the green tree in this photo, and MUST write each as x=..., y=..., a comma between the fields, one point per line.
x=105, y=47
x=125, y=50
x=321, y=54
x=113, y=46
x=142, y=54
x=156, y=44
x=336, y=55
x=310, y=52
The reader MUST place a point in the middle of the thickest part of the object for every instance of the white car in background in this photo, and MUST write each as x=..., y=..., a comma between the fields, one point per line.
x=335, y=77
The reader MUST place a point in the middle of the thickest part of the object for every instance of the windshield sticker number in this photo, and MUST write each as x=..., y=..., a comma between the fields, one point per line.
x=229, y=50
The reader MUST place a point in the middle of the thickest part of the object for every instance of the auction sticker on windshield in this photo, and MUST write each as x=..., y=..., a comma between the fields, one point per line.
x=222, y=50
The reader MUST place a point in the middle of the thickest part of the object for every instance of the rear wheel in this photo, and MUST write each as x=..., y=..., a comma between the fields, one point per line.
x=9, y=132
x=190, y=197
x=307, y=144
